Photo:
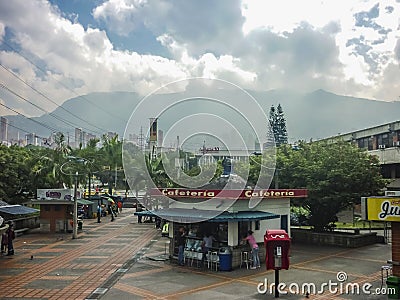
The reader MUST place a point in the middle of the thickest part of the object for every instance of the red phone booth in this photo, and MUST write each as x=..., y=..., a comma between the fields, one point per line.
x=277, y=244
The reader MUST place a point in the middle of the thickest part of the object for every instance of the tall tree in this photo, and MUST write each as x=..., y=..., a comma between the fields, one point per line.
x=281, y=126
x=112, y=155
x=273, y=123
x=277, y=122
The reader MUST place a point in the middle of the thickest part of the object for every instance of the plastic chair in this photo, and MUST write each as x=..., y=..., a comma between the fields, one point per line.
x=214, y=260
x=186, y=256
x=208, y=258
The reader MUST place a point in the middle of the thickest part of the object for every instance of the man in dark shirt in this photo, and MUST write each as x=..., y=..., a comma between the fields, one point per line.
x=181, y=239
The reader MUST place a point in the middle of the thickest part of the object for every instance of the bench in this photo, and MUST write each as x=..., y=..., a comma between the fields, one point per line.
x=20, y=231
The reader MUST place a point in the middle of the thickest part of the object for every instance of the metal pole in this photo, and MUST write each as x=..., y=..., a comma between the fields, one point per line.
x=90, y=188
x=115, y=182
x=75, y=216
x=276, y=283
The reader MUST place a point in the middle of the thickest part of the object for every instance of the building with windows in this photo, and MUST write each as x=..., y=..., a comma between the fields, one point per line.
x=3, y=130
x=31, y=139
x=208, y=155
x=382, y=141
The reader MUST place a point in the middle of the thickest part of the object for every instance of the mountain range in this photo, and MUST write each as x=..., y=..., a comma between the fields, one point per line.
x=315, y=115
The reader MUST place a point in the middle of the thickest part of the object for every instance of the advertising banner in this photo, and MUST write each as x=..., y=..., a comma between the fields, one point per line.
x=57, y=194
x=382, y=209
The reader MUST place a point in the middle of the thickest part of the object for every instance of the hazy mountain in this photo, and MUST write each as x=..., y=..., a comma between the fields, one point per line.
x=311, y=115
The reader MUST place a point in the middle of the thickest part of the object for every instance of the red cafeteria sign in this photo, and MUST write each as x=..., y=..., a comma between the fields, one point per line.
x=235, y=194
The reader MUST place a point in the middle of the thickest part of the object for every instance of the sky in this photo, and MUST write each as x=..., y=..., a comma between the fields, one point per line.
x=68, y=48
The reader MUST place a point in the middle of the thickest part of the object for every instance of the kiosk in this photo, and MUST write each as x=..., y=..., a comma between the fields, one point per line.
x=196, y=210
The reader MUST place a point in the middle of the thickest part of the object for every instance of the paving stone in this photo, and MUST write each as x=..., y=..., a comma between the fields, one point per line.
x=114, y=294
x=48, y=284
x=67, y=272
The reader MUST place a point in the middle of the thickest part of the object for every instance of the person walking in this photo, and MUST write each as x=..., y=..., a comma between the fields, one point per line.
x=139, y=209
x=254, y=249
x=181, y=240
x=10, y=237
x=4, y=242
x=4, y=239
x=111, y=211
x=99, y=213
x=119, y=204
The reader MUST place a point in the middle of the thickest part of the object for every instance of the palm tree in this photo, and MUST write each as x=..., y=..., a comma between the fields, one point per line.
x=112, y=156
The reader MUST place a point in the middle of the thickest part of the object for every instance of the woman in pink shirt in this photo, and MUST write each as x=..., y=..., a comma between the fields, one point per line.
x=254, y=249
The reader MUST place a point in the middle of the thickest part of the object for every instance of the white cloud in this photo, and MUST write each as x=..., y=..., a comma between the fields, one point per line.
x=2, y=30
x=249, y=43
x=72, y=54
x=120, y=15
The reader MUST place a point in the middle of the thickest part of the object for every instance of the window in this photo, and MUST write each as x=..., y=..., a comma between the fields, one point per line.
x=361, y=143
x=365, y=143
x=257, y=225
x=244, y=227
x=370, y=143
x=397, y=170
x=383, y=139
x=46, y=207
x=386, y=171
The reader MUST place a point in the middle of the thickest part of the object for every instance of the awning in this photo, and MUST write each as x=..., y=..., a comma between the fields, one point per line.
x=182, y=215
x=17, y=210
x=84, y=202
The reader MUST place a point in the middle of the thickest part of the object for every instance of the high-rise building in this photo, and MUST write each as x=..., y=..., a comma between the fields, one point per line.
x=78, y=137
x=3, y=129
x=31, y=139
x=88, y=137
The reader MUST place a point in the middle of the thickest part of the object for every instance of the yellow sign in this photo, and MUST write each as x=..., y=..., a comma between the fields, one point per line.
x=383, y=209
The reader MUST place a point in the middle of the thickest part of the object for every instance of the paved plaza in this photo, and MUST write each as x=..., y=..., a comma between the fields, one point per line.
x=125, y=260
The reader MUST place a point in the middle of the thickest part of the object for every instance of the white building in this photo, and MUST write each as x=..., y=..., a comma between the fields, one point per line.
x=382, y=141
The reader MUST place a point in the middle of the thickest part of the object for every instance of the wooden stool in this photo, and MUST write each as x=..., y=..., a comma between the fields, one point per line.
x=245, y=259
x=385, y=270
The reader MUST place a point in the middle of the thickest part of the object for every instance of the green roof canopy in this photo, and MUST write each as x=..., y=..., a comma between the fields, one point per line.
x=182, y=215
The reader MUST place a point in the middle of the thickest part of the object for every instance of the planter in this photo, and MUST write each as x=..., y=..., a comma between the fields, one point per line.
x=340, y=239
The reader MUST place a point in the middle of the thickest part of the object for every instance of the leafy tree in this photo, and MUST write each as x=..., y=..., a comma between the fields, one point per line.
x=16, y=183
x=336, y=176
x=278, y=125
x=91, y=153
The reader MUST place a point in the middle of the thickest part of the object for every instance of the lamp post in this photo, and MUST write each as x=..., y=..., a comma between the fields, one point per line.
x=75, y=215
x=76, y=174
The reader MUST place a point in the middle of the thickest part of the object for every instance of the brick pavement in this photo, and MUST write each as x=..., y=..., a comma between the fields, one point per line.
x=116, y=261
x=149, y=279
x=65, y=268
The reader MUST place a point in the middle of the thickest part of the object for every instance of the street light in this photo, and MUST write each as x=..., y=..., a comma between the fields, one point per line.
x=75, y=215
x=76, y=174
